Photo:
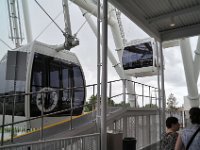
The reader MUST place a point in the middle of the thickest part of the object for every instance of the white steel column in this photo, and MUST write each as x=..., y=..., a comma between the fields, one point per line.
x=112, y=21
x=162, y=87
x=159, y=91
x=110, y=55
x=14, y=22
x=116, y=65
x=192, y=99
x=116, y=33
x=67, y=18
x=197, y=60
x=104, y=76
x=98, y=67
x=27, y=21
x=119, y=48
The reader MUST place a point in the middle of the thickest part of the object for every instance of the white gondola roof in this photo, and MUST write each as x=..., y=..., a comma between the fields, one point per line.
x=49, y=50
x=156, y=17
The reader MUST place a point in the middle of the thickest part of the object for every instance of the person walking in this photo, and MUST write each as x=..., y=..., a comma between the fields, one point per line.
x=189, y=139
x=169, y=138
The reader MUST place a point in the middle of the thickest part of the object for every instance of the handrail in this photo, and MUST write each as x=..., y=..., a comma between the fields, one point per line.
x=76, y=107
x=50, y=140
x=46, y=115
x=63, y=89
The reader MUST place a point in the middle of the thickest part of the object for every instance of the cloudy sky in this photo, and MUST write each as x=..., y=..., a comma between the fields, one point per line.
x=86, y=51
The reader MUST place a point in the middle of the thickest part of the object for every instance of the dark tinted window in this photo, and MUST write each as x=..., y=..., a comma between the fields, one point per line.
x=65, y=77
x=39, y=76
x=138, y=56
x=78, y=77
x=66, y=82
x=54, y=76
x=78, y=83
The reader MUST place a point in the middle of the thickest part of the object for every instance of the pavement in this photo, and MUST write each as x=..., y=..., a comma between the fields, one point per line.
x=155, y=146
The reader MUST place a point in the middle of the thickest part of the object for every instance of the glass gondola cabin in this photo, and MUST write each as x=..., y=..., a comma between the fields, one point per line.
x=39, y=67
x=139, y=58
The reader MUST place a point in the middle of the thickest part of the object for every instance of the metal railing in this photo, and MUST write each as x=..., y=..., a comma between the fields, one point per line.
x=116, y=93
x=83, y=142
x=139, y=123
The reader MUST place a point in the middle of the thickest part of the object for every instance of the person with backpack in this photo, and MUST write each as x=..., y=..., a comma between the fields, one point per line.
x=189, y=139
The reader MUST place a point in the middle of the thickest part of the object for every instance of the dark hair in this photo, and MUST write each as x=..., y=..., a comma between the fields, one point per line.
x=170, y=121
x=195, y=115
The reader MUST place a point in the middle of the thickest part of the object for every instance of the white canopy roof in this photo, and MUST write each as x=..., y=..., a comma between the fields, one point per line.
x=163, y=19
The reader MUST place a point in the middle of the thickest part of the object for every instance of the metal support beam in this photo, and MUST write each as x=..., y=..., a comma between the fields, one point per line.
x=67, y=17
x=104, y=76
x=162, y=87
x=197, y=60
x=27, y=21
x=125, y=126
x=159, y=91
x=193, y=97
x=3, y=122
x=98, y=66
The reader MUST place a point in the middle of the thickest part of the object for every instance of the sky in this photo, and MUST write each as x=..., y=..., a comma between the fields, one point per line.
x=86, y=52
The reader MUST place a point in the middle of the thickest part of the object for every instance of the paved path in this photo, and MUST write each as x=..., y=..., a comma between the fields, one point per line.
x=153, y=147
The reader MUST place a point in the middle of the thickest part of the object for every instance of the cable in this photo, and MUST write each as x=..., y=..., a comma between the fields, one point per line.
x=84, y=21
x=56, y=23
x=80, y=27
x=5, y=43
x=48, y=26
x=50, y=17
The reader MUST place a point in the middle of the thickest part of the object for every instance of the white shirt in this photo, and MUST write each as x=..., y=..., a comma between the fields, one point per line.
x=186, y=135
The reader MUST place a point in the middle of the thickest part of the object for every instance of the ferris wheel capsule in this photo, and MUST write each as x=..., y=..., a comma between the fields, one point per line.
x=37, y=68
x=139, y=58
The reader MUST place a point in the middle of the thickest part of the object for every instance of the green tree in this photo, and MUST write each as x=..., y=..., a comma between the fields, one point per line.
x=172, y=102
x=121, y=104
x=150, y=106
x=91, y=104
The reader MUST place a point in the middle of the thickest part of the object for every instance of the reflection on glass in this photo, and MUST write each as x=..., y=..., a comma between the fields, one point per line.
x=54, y=76
x=51, y=74
x=138, y=56
x=79, y=92
x=66, y=84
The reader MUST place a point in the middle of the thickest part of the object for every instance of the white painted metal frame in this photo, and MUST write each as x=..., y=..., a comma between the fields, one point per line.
x=112, y=21
x=27, y=21
x=191, y=69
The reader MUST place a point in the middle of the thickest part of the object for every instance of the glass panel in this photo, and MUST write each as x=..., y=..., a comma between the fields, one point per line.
x=50, y=74
x=66, y=84
x=54, y=76
x=138, y=56
x=39, y=81
x=78, y=97
x=37, y=78
x=78, y=77
x=65, y=77
x=78, y=82
x=34, y=108
x=38, y=72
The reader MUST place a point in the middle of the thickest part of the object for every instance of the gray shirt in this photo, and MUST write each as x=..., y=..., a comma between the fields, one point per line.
x=187, y=134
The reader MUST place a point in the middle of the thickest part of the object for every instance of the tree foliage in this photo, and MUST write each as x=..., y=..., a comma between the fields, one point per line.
x=150, y=106
x=91, y=104
x=172, y=102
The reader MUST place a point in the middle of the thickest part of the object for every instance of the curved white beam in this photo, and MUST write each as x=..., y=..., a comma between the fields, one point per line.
x=116, y=65
x=197, y=60
x=27, y=21
x=189, y=72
